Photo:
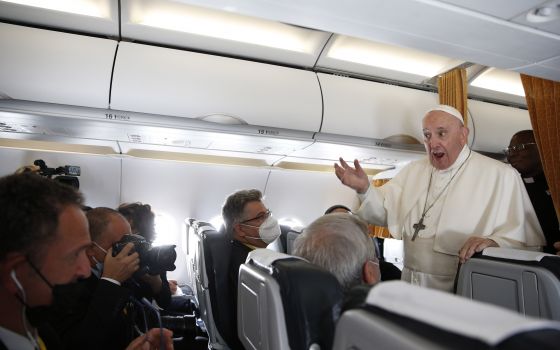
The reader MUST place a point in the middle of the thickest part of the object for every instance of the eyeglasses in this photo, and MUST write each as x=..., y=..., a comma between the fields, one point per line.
x=261, y=216
x=516, y=148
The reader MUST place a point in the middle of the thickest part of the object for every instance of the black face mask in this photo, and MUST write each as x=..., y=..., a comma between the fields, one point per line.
x=65, y=300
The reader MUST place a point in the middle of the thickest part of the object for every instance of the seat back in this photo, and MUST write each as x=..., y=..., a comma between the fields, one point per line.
x=285, y=242
x=524, y=281
x=285, y=302
x=210, y=267
x=398, y=315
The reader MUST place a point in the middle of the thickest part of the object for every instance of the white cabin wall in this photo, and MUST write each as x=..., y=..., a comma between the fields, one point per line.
x=100, y=175
x=305, y=195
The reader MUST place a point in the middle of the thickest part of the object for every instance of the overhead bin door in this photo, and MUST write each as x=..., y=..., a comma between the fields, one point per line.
x=193, y=85
x=367, y=109
x=47, y=66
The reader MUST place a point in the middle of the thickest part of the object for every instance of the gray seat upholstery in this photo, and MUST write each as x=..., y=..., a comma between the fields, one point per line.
x=398, y=315
x=524, y=281
x=285, y=242
x=210, y=250
x=285, y=302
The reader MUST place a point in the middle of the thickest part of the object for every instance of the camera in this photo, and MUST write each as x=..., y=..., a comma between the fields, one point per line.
x=153, y=260
x=66, y=174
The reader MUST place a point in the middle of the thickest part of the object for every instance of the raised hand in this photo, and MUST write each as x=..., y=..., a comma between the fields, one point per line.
x=122, y=266
x=355, y=178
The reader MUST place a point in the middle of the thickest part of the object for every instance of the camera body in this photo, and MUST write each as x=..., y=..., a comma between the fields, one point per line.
x=65, y=174
x=153, y=260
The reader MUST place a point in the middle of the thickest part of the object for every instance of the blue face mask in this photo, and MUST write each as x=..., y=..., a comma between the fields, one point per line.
x=98, y=269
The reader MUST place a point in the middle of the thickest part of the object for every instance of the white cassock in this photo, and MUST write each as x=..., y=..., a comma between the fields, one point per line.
x=485, y=198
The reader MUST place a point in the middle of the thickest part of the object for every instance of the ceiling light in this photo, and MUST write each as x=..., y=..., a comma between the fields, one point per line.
x=504, y=81
x=225, y=25
x=389, y=57
x=545, y=13
x=92, y=8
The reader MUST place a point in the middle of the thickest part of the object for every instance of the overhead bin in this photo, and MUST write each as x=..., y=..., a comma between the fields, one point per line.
x=48, y=66
x=494, y=125
x=372, y=110
x=186, y=84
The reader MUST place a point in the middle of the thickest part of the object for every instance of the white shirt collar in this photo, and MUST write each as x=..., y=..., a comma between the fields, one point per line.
x=15, y=341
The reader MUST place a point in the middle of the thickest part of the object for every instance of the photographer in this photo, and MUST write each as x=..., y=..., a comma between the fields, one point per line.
x=43, y=241
x=100, y=315
x=141, y=220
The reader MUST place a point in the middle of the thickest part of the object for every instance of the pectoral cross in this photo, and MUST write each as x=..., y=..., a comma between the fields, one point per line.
x=417, y=227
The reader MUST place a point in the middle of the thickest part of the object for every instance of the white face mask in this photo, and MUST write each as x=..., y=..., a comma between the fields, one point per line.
x=268, y=231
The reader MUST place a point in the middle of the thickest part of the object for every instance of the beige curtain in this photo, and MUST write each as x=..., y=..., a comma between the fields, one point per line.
x=543, y=101
x=452, y=88
x=379, y=231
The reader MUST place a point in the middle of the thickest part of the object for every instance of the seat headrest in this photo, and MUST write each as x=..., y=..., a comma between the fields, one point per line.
x=312, y=298
x=266, y=257
x=515, y=254
x=489, y=323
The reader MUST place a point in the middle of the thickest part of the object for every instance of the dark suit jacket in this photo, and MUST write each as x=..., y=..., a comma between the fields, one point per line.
x=544, y=208
x=95, y=317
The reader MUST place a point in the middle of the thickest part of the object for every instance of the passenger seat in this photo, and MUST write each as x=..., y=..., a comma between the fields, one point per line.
x=524, y=281
x=285, y=302
x=398, y=315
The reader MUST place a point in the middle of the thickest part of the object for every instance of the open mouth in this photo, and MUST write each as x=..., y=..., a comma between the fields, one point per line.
x=438, y=154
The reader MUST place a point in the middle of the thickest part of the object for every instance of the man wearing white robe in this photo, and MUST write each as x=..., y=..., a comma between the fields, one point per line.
x=457, y=201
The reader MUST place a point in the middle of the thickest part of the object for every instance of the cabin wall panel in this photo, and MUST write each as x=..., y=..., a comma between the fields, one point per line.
x=99, y=179
x=305, y=195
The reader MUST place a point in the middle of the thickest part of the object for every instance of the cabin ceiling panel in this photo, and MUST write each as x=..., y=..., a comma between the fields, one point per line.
x=541, y=71
x=191, y=27
x=505, y=9
x=431, y=26
x=97, y=17
x=186, y=84
x=48, y=66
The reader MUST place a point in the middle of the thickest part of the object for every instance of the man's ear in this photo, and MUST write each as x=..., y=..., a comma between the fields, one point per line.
x=10, y=263
x=237, y=231
x=370, y=272
x=465, y=133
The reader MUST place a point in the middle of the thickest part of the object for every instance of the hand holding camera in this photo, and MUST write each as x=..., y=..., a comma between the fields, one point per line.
x=121, y=266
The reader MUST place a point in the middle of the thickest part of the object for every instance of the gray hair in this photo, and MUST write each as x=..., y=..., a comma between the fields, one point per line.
x=232, y=211
x=340, y=244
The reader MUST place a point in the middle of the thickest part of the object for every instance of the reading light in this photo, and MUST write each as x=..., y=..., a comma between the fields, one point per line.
x=225, y=25
x=389, y=57
x=545, y=13
x=500, y=80
x=92, y=8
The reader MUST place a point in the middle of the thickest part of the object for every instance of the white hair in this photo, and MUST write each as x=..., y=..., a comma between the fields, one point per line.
x=340, y=244
x=447, y=109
